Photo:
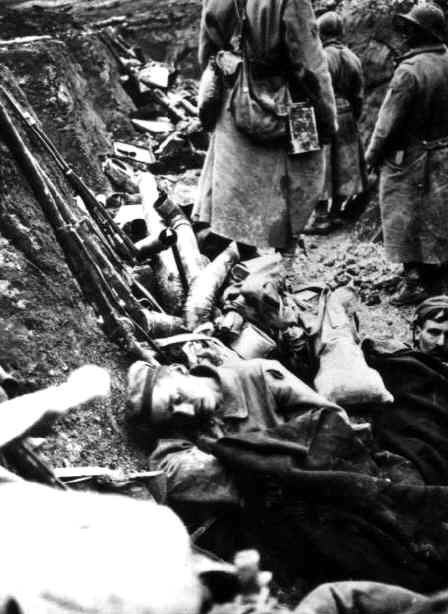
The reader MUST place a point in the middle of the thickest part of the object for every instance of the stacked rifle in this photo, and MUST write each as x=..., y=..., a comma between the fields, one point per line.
x=98, y=252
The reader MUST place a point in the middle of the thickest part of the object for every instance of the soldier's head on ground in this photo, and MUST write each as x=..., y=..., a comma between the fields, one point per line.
x=330, y=26
x=168, y=399
x=430, y=327
x=423, y=25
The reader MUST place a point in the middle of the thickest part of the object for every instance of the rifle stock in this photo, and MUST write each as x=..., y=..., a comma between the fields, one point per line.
x=111, y=231
x=84, y=257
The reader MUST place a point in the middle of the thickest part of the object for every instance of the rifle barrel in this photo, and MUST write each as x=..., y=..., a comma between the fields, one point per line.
x=102, y=217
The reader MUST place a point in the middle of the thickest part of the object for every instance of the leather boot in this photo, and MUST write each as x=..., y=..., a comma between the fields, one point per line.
x=336, y=215
x=321, y=223
x=412, y=291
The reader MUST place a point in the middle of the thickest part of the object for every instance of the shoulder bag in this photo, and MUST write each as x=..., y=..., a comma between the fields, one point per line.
x=258, y=108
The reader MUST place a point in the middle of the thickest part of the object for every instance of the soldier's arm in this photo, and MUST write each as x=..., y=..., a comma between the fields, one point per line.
x=308, y=61
x=362, y=597
x=206, y=46
x=215, y=28
x=357, y=88
x=19, y=415
x=391, y=116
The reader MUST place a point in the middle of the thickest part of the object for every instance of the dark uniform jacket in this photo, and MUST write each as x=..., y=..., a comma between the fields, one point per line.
x=344, y=157
x=346, y=74
x=416, y=104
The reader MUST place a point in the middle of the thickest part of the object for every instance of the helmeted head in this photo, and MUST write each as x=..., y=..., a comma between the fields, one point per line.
x=426, y=22
x=330, y=25
x=430, y=327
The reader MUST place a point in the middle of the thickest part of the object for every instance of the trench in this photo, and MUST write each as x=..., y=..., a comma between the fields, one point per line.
x=53, y=60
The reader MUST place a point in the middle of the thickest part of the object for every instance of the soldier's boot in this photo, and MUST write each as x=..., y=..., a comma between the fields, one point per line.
x=336, y=214
x=320, y=223
x=412, y=290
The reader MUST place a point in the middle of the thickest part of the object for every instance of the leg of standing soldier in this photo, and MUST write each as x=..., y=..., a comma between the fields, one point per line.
x=412, y=289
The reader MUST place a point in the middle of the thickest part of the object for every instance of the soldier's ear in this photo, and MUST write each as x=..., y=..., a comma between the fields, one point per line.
x=417, y=333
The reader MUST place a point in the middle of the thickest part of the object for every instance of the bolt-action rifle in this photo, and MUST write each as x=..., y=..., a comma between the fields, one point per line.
x=112, y=238
x=157, y=95
x=108, y=290
x=111, y=232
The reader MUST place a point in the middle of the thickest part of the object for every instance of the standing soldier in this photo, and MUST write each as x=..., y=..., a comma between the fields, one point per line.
x=345, y=169
x=254, y=192
x=410, y=145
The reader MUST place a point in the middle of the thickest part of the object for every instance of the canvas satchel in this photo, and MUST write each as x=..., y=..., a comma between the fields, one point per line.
x=259, y=109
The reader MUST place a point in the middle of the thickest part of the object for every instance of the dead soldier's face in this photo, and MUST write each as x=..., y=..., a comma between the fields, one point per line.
x=432, y=338
x=180, y=395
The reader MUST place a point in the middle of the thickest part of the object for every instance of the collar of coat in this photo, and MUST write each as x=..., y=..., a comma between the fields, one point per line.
x=437, y=48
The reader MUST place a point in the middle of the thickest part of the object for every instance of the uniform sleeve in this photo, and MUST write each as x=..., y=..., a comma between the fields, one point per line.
x=216, y=26
x=193, y=475
x=362, y=597
x=309, y=63
x=391, y=116
x=357, y=88
x=290, y=393
x=207, y=47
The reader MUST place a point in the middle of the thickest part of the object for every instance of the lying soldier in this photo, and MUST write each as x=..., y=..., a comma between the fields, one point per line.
x=430, y=327
x=415, y=426
x=183, y=408
x=314, y=486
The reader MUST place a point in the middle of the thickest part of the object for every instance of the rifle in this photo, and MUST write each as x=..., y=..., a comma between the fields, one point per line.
x=22, y=458
x=111, y=232
x=124, y=67
x=105, y=228
x=113, y=298
x=156, y=93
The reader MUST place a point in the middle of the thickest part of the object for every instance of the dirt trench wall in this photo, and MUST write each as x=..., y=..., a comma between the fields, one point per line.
x=46, y=326
x=64, y=74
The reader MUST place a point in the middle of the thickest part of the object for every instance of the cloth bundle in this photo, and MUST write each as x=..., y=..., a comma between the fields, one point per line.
x=344, y=376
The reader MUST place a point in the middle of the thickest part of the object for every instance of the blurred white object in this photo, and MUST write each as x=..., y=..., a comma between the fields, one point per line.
x=85, y=552
x=18, y=415
x=86, y=383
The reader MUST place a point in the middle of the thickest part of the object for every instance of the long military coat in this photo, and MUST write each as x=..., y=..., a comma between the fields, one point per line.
x=345, y=172
x=255, y=193
x=410, y=143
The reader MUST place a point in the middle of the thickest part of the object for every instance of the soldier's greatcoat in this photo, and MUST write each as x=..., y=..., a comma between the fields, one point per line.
x=410, y=142
x=255, y=193
x=345, y=173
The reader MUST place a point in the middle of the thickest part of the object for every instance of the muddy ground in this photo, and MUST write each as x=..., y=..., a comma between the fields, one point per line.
x=70, y=81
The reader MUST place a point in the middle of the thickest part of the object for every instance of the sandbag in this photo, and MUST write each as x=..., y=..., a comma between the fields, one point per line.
x=344, y=376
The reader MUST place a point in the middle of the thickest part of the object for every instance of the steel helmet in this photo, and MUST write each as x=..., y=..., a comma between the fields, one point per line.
x=330, y=25
x=428, y=18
